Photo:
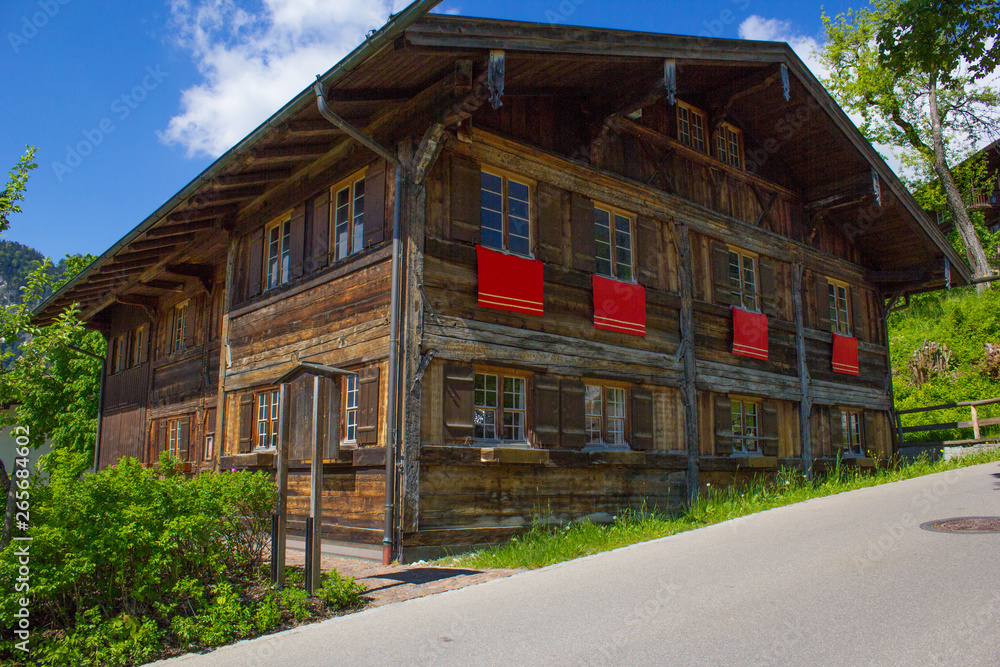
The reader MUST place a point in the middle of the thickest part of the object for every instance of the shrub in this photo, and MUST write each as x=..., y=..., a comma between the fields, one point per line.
x=340, y=592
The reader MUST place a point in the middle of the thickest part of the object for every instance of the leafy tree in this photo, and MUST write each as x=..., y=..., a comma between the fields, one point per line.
x=13, y=192
x=914, y=70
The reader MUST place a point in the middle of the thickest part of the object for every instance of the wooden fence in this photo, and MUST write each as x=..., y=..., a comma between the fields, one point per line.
x=975, y=423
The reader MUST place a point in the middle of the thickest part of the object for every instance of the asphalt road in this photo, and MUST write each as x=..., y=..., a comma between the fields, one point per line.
x=846, y=580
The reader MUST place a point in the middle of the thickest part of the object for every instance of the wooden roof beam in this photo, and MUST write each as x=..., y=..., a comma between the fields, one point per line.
x=253, y=177
x=168, y=285
x=204, y=213
x=205, y=273
x=182, y=229
x=154, y=244
x=138, y=300
x=286, y=151
x=313, y=125
x=229, y=195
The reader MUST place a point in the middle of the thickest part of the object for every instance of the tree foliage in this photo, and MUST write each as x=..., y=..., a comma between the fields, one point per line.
x=914, y=70
x=13, y=192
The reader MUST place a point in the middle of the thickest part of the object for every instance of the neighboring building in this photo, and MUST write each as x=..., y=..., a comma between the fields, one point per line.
x=629, y=264
x=8, y=445
x=985, y=200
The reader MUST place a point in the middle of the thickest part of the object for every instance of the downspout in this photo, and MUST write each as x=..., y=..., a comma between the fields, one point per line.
x=100, y=407
x=391, y=417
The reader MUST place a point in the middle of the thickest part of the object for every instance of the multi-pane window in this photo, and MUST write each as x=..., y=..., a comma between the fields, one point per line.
x=691, y=127
x=839, y=312
x=500, y=407
x=605, y=415
x=179, y=324
x=351, y=408
x=349, y=217
x=613, y=243
x=743, y=279
x=850, y=422
x=745, y=428
x=138, y=345
x=267, y=419
x=728, y=146
x=505, y=214
x=209, y=447
x=173, y=436
x=120, y=361
x=278, y=238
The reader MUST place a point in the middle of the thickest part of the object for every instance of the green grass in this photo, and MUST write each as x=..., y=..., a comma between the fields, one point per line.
x=545, y=545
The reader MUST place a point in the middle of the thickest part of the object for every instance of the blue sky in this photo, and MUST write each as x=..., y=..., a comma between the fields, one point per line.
x=128, y=101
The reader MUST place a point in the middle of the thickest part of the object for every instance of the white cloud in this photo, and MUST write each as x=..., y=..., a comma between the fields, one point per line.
x=254, y=61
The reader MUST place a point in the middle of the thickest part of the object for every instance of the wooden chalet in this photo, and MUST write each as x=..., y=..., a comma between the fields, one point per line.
x=557, y=271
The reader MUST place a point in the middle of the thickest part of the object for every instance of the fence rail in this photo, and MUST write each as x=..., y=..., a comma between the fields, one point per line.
x=974, y=423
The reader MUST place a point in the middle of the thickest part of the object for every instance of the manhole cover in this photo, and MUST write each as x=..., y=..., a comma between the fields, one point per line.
x=965, y=524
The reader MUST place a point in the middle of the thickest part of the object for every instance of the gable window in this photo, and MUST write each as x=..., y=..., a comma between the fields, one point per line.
x=505, y=214
x=267, y=419
x=743, y=279
x=850, y=422
x=119, y=361
x=691, y=127
x=500, y=407
x=613, y=243
x=178, y=327
x=729, y=145
x=351, y=408
x=349, y=216
x=744, y=413
x=604, y=408
x=839, y=312
x=278, y=236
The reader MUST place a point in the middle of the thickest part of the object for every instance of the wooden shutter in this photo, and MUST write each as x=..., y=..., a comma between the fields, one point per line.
x=546, y=421
x=572, y=414
x=368, y=401
x=320, y=240
x=375, y=203
x=836, y=429
x=768, y=291
x=581, y=217
x=647, y=251
x=550, y=223
x=868, y=433
x=642, y=419
x=822, y=304
x=191, y=321
x=183, y=437
x=161, y=439
x=466, y=185
x=246, y=423
x=255, y=262
x=723, y=425
x=459, y=397
x=296, y=242
x=769, y=428
x=240, y=271
x=859, y=317
x=722, y=291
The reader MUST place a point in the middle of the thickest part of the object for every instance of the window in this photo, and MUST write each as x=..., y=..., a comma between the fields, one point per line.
x=349, y=216
x=605, y=415
x=505, y=214
x=839, y=313
x=178, y=327
x=351, y=408
x=138, y=342
x=745, y=432
x=500, y=404
x=743, y=279
x=278, y=238
x=209, y=446
x=173, y=436
x=267, y=419
x=729, y=145
x=613, y=243
x=119, y=361
x=850, y=422
x=691, y=127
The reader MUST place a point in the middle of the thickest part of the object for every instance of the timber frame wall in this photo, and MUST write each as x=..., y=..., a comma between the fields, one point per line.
x=199, y=334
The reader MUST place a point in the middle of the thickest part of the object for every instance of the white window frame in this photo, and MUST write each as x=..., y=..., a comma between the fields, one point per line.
x=266, y=411
x=744, y=444
x=692, y=133
x=603, y=428
x=137, y=341
x=729, y=145
x=277, y=258
x=178, y=329
x=747, y=263
x=839, y=294
x=506, y=178
x=853, y=432
x=351, y=395
x=614, y=215
x=354, y=219
x=507, y=415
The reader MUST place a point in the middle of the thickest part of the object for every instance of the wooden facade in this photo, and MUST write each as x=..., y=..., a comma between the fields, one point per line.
x=695, y=181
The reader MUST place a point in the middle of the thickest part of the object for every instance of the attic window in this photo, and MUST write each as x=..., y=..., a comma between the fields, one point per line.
x=691, y=127
x=729, y=145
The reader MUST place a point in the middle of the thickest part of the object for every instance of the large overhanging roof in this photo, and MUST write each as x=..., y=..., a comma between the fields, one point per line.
x=412, y=58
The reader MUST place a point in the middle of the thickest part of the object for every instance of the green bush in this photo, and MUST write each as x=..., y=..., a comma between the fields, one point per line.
x=339, y=591
x=131, y=561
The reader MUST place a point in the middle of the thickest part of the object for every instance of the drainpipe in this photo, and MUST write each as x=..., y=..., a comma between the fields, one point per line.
x=100, y=406
x=392, y=408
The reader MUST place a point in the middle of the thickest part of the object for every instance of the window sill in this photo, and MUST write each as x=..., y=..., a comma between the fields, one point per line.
x=755, y=459
x=523, y=454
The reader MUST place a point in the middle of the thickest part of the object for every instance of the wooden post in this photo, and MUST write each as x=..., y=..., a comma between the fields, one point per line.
x=689, y=390
x=220, y=401
x=315, y=494
x=975, y=422
x=284, y=408
x=805, y=404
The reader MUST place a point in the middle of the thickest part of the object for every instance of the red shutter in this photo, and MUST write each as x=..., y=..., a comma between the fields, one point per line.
x=374, y=219
x=296, y=242
x=368, y=402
